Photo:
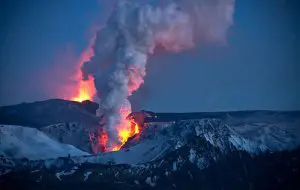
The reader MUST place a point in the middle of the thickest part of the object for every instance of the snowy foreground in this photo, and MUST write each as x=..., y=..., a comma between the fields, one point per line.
x=23, y=142
x=256, y=151
x=254, y=137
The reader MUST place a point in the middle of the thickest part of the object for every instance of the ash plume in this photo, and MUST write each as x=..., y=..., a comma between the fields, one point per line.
x=133, y=31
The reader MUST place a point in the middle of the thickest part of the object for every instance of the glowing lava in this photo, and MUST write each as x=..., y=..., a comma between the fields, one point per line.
x=124, y=132
x=85, y=88
x=126, y=129
x=86, y=91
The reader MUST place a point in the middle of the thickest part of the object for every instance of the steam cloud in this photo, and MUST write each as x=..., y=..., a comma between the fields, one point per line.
x=132, y=33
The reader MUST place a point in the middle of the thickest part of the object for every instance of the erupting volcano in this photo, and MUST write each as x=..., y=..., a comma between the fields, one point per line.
x=85, y=90
x=121, y=49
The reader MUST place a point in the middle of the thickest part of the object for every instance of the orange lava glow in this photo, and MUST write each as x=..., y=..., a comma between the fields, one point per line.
x=125, y=132
x=85, y=89
x=127, y=129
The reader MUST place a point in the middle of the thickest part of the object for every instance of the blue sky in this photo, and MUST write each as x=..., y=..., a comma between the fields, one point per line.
x=258, y=69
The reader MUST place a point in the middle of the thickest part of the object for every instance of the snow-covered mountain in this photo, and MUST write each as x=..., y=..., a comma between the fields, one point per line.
x=231, y=152
x=22, y=142
x=256, y=136
x=64, y=121
x=74, y=133
x=227, y=150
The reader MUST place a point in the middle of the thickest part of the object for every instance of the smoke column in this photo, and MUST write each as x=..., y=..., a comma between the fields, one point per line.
x=132, y=33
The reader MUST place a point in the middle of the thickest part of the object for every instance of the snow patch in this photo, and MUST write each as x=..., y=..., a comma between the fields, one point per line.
x=151, y=181
x=86, y=175
x=247, y=145
x=5, y=171
x=66, y=173
x=178, y=145
x=174, y=166
x=192, y=156
x=202, y=163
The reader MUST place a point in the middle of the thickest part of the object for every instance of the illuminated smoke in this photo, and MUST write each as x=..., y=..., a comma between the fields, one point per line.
x=132, y=33
x=84, y=89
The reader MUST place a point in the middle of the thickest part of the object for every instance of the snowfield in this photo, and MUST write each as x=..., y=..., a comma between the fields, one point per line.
x=254, y=138
x=254, y=133
x=23, y=142
x=257, y=135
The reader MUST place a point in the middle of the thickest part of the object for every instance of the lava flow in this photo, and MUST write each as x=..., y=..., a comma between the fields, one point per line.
x=124, y=132
x=126, y=129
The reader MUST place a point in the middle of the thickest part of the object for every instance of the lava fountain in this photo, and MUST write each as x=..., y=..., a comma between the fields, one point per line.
x=85, y=89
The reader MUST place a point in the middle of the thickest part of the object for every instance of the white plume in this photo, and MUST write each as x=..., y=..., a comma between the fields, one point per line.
x=133, y=31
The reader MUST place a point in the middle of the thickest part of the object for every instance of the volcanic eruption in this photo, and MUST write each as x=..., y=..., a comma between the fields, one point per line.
x=132, y=32
x=85, y=89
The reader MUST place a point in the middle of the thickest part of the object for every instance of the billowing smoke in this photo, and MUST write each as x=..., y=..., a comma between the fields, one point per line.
x=132, y=33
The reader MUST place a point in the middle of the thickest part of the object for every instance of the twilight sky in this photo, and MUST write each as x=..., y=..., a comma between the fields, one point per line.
x=258, y=69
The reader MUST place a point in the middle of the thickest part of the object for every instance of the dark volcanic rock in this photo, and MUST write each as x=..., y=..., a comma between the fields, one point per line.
x=90, y=106
x=177, y=170
x=49, y=112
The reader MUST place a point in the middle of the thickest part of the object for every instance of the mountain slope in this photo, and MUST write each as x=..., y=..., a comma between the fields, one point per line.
x=23, y=142
x=75, y=133
x=49, y=112
x=257, y=150
x=65, y=121
x=253, y=135
x=196, y=165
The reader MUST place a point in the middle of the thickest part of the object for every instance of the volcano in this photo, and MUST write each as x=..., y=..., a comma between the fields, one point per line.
x=217, y=150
